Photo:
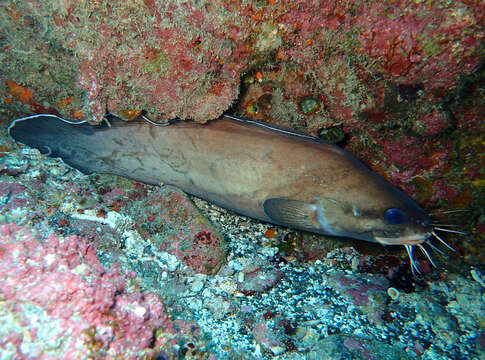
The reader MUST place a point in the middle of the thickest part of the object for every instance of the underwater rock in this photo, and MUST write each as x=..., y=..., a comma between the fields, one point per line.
x=60, y=302
x=185, y=60
x=168, y=220
x=368, y=293
x=15, y=198
x=259, y=280
x=340, y=347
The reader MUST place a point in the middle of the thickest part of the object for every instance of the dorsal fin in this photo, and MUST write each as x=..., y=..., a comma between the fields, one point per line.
x=279, y=129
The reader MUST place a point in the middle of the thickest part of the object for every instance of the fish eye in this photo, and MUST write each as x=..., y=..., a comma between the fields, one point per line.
x=395, y=216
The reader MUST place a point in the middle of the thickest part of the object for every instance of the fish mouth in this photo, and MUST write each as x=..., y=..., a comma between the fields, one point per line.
x=414, y=239
x=426, y=235
x=419, y=240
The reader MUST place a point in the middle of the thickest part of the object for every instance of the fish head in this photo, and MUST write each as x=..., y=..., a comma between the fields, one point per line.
x=387, y=223
x=374, y=211
x=358, y=204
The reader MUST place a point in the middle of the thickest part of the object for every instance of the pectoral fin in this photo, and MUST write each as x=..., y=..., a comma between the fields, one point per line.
x=292, y=213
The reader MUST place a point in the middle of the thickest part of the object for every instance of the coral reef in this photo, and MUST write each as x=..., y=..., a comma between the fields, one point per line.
x=59, y=301
x=186, y=59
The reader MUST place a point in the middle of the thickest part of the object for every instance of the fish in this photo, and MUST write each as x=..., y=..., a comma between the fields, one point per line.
x=253, y=168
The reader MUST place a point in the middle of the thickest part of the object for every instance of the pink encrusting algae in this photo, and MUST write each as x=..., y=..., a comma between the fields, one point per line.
x=186, y=59
x=172, y=223
x=422, y=42
x=60, y=282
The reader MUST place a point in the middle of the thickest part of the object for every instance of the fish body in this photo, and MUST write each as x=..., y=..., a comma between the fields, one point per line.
x=252, y=168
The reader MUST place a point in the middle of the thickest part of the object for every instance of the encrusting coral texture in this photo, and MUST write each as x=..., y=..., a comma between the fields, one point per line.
x=61, y=300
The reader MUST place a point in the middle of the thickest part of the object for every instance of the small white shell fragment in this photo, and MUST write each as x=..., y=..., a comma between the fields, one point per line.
x=207, y=293
x=240, y=276
x=393, y=293
x=477, y=276
x=355, y=263
x=227, y=286
x=277, y=350
x=269, y=251
x=197, y=286
x=139, y=311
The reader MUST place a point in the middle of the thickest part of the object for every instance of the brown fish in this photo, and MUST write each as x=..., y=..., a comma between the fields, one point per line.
x=253, y=168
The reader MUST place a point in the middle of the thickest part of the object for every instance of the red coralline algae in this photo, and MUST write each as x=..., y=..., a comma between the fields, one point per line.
x=62, y=281
x=432, y=123
x=172, y=223
x=311, y=27
x=186, y=59
x=422, y=42
x=194, y=253
x=153, y=59
x=260, y=280
x=369, y=296
x=415, y=157
x=15, y=195
x=268, y=337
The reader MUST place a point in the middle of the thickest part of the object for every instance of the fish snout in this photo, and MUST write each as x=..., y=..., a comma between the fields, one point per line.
x=411, y=233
